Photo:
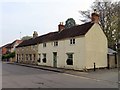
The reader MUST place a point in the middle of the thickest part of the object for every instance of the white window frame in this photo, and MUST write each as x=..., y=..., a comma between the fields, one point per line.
x=55, y=43
x=72, y=41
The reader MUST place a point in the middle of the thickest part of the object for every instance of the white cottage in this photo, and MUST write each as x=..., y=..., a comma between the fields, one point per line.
x=78, y=47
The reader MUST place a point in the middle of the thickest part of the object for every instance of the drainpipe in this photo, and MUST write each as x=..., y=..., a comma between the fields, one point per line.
x=94, y=66
x=108, y=61
x=115, y=60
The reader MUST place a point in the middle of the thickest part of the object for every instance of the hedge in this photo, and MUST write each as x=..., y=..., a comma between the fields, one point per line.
x=7, y=56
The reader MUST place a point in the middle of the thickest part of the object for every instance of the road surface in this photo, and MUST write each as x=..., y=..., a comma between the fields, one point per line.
x=15, y=76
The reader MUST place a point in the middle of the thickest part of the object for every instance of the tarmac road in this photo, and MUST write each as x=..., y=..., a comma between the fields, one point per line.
x=15, y=76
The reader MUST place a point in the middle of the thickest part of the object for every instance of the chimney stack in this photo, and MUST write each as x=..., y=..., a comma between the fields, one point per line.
x=35, y=34
x=95, y=17
x=61, y=26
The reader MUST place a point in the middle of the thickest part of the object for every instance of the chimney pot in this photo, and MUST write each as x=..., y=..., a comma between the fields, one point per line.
x=35, y=34
x=61, y=26
x=95, y=17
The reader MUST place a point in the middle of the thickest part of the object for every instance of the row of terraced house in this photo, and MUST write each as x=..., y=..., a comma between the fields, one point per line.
x=8, y=49
x=79, y=47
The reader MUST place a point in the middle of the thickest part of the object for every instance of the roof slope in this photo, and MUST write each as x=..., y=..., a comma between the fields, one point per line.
x=66, y=33
x=10, y=45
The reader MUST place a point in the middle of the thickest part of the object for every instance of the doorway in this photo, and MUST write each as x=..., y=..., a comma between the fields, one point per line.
x=54, y=59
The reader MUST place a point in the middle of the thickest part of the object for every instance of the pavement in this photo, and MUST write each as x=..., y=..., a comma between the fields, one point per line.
x=99, y=74
x=61, y=70
x=38, y=67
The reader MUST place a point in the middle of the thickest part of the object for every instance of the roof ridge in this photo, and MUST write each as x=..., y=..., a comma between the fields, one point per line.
x=66, y=33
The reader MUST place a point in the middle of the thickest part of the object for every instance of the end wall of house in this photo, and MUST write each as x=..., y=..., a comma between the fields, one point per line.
x=96, y=47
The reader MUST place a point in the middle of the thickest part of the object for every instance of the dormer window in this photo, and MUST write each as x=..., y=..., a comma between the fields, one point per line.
x=72, y=41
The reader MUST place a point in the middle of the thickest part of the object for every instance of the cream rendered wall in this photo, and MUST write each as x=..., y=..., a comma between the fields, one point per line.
x=64, y=47
x=96, y=47
x=87, y=49
x=79, y=52
x=46, y=50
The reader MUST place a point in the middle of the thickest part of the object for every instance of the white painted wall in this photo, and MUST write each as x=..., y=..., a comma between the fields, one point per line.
x=64, y=47
x=96, y=47
x=87, y=49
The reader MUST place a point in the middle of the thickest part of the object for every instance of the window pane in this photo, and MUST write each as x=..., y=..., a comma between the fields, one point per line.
x=73, y=41
x=69, y=60
x=70, y=41
x=30, y=56
x=44, y=44
x=56, y=43
x=39, y=55
x=70, y=55
x=44, y=55
x=34, y=56
x=44, y=58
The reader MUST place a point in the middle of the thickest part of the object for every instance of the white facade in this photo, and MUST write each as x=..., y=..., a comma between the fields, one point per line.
x=87, y=50
x=96, y=47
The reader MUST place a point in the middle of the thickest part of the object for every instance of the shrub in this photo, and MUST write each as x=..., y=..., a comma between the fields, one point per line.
x=7, y=56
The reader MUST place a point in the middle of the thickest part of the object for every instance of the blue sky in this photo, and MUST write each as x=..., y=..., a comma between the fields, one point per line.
x=43, y=16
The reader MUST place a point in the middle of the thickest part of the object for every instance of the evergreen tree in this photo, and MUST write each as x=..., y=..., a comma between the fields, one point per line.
x=70, y=22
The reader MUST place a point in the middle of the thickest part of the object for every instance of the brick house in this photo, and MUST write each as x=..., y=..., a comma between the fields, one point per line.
x=9, y=48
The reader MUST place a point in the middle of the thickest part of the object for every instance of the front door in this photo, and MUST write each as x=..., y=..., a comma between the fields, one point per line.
x=54, y=59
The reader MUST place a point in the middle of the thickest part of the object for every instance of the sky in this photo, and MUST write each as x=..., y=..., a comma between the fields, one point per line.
x=19, y=18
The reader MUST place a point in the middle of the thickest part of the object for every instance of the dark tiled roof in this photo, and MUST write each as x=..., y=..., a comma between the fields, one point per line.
x=66, y=33
x=10, y=45
x=7, y=45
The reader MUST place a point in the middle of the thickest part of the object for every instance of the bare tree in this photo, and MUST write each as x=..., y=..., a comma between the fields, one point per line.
x=109, y=19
